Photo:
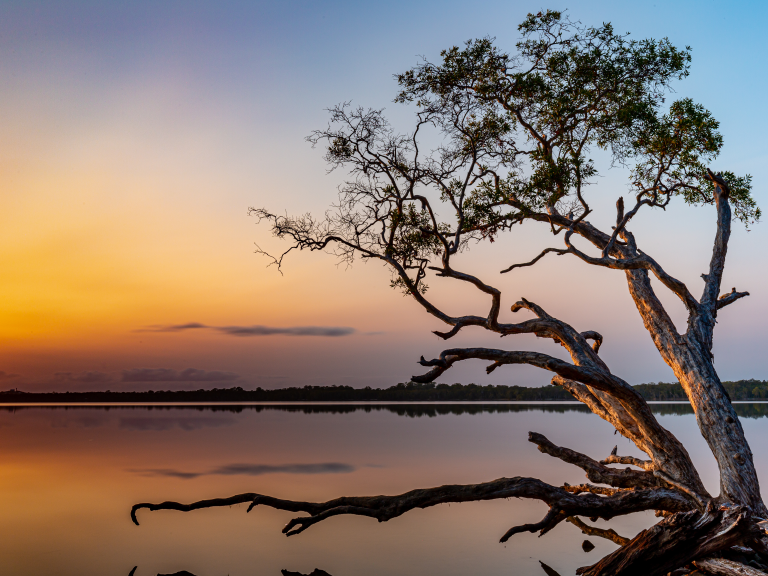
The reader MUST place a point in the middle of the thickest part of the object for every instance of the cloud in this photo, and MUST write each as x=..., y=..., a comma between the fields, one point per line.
x=259, y=469
x=172, y=327
x=294, y=331
x=252, y=470
x=7, y=376
x=170, y=473
x=255, y=330
x=90, y=377
x=170, y=375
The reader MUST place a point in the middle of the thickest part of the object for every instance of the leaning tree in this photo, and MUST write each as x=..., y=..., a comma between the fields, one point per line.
x=516, y=132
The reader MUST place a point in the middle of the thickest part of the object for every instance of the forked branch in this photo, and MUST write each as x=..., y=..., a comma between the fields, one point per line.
x=596, y=471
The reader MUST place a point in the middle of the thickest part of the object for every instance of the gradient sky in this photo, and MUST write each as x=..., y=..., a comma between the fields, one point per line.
x=135, y=135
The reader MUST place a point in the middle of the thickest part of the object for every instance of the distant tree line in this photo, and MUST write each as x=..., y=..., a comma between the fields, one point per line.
x=404, y=392
x=740, y=390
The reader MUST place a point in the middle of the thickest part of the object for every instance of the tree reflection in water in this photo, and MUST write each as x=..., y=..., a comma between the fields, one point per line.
x=416, y=410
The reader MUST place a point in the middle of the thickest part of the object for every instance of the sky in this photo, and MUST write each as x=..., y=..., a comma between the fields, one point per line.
x=136, y=135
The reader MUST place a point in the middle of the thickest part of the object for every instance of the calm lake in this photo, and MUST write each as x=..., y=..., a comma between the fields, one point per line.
x=69, y=476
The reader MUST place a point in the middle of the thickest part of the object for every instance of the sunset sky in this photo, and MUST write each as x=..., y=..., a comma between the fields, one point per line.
x=135, y=135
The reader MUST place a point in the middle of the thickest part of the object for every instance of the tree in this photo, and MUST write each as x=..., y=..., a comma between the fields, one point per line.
x=517, y=131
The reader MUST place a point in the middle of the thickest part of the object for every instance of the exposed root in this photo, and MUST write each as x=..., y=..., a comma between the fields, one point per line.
x=676, y=541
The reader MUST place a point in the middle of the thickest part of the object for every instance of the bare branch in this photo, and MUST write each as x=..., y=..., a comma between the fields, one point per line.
x=596, y=471
x=594, y=336
x=559, y=251
x=501, y=357
x=385, y=508
x=591, y=488
x=639, y=262
x=212, y=503
x=716, y=266
x=646, y=465
x=608, y=534
x=607, y=407
x=730, y=298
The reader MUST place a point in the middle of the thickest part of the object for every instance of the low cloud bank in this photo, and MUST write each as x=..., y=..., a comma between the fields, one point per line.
x=256, y=330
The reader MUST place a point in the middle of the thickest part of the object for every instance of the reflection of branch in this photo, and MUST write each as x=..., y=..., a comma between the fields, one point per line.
x=609, y=534
x=315, y=572
x=548, y=570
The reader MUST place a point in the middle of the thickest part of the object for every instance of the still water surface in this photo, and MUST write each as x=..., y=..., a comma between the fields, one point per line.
x=69, y=475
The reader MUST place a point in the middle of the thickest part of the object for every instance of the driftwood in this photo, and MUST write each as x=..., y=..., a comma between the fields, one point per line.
x=518, y=131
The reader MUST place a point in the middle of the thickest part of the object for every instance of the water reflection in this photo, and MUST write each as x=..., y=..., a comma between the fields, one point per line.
x=252, y=470
x=70, y=474
x=315, y=572
x=194, y=423
x=743, y=409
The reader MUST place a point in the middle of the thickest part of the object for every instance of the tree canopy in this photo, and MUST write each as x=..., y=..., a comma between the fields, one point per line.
x=517, y=132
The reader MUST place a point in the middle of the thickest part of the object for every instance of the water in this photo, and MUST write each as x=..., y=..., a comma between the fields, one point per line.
x=69, y=476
